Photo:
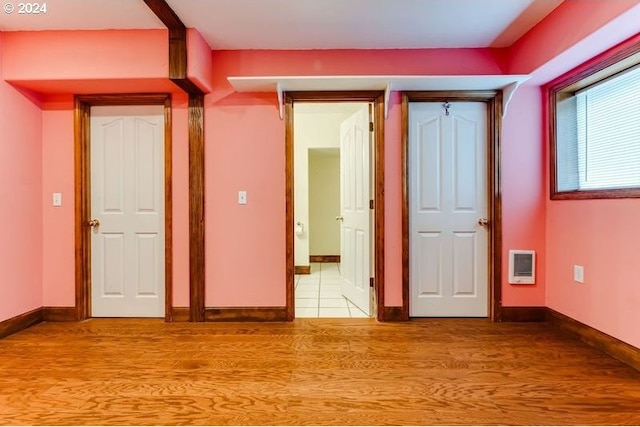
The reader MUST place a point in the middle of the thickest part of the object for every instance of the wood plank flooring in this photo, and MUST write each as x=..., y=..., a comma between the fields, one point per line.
x=311, y=371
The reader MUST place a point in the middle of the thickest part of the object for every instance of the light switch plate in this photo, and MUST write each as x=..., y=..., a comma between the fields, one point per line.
x=57, y=199
x=242, y=197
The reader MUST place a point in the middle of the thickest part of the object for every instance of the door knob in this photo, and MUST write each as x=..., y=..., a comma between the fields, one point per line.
x=483, y=222
x=339, y=218
x=94, y=223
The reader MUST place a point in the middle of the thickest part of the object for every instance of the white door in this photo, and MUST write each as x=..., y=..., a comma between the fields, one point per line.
x=127, y=198
x=447, y=198
x=354, y=200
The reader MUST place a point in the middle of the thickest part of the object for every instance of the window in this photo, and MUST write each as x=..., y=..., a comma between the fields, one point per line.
x=595, y=139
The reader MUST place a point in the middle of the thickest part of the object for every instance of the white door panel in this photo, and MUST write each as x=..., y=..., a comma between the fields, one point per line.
x=354, y=190
x=127, y=197
x=448, y=194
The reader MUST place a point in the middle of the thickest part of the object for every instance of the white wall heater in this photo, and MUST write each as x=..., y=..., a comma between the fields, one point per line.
x=522, y=267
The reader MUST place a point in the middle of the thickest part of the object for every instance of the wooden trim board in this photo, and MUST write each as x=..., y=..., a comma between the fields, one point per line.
x=246, y=314
x=620, y=350
x=324, y=258
x=20, y=322
x=523, y=314
x=196, y=208
x=302, y=269
x=59, y=314
x=394, y=314
x=180, y=314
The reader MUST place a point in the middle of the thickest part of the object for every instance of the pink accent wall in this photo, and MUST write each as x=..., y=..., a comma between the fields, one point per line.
x=58, y=244
x=602, y=236
x=58, y=235
x=357, y=62
x=180, y=172
x=67, y=62
x=393, y=203
x=20, y=189
x=523, y=192
x=563, y=28
x=245, y=249
x=613, y=32
x=199, y=64
x=245, y=244
x=86, y=55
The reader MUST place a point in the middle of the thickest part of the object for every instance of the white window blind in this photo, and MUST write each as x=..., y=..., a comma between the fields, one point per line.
x=598, y=131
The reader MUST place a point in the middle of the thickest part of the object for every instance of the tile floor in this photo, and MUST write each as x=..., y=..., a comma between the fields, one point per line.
x=318, y=294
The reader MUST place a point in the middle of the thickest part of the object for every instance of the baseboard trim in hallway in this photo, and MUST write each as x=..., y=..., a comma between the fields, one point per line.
x=523, y=314
x=620, y=350
x=59, y=314
x=302, y=269
x=20, y=322
x=180, y=314
x=394, y=314
x=246, y=314
x=324, y=258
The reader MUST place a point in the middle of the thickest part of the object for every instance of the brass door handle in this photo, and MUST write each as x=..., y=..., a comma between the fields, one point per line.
x=339, y=218
x=94, y=223
x=483, y=222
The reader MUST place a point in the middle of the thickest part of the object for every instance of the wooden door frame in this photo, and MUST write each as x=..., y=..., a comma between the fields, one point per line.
x=493, y=100
x=377, y=98
x=82, y=169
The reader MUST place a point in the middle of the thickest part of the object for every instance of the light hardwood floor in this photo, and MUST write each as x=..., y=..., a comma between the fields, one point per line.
x=311, y=371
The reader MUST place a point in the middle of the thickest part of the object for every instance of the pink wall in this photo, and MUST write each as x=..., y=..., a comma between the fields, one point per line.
x=180, y=144
x=356, y=62
x=20, y=189
x=86, y=55
x=393, y=203
x=199, y=64
x=244, y=150
x=602, y=236
x=566, y=26
x=245, y=249
x=128, y=61
x=58, y=236
x=523, y=192
x=58, y=261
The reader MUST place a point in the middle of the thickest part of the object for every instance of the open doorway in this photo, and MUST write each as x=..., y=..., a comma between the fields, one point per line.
x=333, y=187
x=376, y=202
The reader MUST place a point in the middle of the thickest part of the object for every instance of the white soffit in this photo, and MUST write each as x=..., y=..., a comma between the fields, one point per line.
x=281, y=84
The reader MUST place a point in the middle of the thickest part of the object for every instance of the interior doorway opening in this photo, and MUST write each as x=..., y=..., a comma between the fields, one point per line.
x=333, y=143
x=361, y=131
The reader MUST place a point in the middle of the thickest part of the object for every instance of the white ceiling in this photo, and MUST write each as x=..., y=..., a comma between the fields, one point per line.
x=307, y=24
x=82, y=15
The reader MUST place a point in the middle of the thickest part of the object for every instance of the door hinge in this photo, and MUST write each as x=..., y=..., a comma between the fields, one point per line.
x=371, y=204
x=370, y=126
x=372, y=282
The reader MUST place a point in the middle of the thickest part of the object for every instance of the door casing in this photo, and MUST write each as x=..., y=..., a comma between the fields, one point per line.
x=377, y=98
x=493, y=100
x=82, y=172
